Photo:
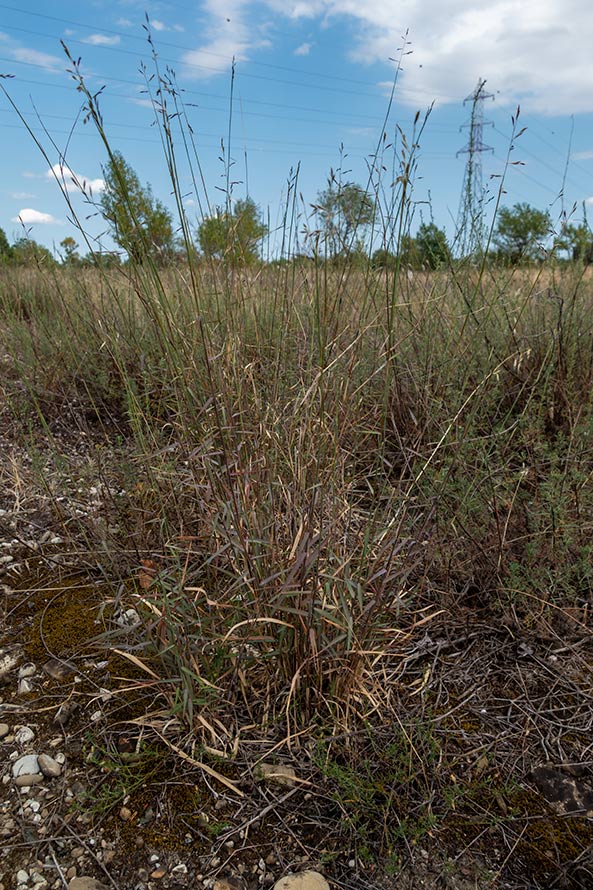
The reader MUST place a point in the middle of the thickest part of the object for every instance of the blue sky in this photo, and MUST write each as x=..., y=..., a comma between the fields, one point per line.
x=310, y=76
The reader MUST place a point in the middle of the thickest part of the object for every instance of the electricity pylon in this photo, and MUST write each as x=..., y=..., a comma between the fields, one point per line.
x=470, y=219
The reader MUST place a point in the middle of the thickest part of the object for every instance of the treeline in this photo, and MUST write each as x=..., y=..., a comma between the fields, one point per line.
x=346, y=219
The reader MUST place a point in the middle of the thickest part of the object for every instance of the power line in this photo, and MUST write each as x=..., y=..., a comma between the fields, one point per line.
x=543, y=163
x=215, y=145
x=347, y=119
x=315, y=74
x=179, y=46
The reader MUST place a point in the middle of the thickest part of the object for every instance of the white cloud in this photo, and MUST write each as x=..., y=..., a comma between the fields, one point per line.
x=102, y=40
x=536, y=52
x=36, y=58
x=303, y=50
x=582, y=155
x=228, y=35
x=75, y=182
x=143, y=103
x=124, y=23
x=22, y=196
x=589, y=200
x=28, y=216
x=158, y=25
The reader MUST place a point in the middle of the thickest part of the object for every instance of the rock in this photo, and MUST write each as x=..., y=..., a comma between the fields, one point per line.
x=4, y=730
x=25, y=686
x=158, y=873
x=22, y=876
x=129, y=618
x=58, y=669
x=125, y=814
x=24, y=735
x=27, y=779
x=86, y=883
x=50, y=768
x=65, y=712
x=305, y=880
x=277, y=773
x=567, y=794
x=28, y=763
x=27, y=670
x=231, y=883
x=9, y=658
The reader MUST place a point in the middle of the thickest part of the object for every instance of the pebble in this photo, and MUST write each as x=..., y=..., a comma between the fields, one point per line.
x=25, y=780
x=58, y=669
x=48, y=766
x=65, y=712
x=24, y=735
x=125, y=814
x=4, y=730
x=27, y=670
x=85, y=883
x=277, y=773
x=8, y=660
x=305, y=880
x=24, y=687
x=22, y=876
x=26, y=764
x=130, y=618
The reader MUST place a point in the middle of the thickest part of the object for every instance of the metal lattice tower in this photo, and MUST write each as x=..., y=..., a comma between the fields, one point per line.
x=470, y=219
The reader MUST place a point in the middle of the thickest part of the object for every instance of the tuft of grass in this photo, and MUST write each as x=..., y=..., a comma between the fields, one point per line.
x=316, y=458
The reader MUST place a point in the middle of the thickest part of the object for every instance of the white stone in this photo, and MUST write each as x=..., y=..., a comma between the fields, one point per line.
x=8, y=660
x=24, y=735
x=25, y=765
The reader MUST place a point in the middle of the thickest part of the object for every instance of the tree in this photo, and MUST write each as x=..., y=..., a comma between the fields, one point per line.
x=578, y=242
x=139, y=222
x=519, y=231
x=344, y=210
x=26, y=251
x=71, y=256
x=6, y=251
x=432, y=246
x=233, y=236
x=384, y=259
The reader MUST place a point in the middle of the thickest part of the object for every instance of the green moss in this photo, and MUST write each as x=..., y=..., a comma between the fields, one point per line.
x=546, y=840
x=61, y=617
